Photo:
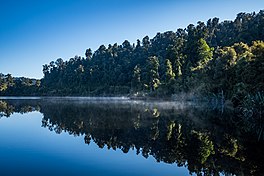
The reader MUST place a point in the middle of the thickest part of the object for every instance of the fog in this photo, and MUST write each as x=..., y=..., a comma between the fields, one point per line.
x=112, y=101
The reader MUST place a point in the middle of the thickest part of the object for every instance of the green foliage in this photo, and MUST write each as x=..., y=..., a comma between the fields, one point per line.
x=252, y=110
x=204, y=53
x=229, y=147
x=203, y=146
x=18, y=86
x=136, y=81
x=224, y=59
x=204, y=59
x=169, y=72
x=6, y=109
x=152, y=73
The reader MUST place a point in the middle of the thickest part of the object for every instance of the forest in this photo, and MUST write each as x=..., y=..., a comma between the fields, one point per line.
x=210, y=59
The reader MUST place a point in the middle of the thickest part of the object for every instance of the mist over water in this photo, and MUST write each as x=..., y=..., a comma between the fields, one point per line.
x=164, y=104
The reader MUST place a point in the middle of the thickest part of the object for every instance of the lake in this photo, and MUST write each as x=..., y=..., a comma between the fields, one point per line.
x=118, y=136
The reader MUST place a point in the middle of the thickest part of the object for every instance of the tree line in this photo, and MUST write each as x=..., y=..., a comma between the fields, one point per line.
x=18, y=86
x=205, y=59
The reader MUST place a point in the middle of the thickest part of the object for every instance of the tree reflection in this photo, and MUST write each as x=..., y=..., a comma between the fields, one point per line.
x=6, y=109
x=206, y=142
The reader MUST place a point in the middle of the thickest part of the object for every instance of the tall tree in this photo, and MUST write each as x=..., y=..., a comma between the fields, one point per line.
x=204, y=54
x=153, y=73
x=88, y=53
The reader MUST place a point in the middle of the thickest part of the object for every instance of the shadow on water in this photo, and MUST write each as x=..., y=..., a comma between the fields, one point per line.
x=207, y=142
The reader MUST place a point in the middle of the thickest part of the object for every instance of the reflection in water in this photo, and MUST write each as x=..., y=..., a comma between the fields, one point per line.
x=206, y=142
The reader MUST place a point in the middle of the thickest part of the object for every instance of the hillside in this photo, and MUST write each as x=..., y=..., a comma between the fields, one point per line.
x=208, y=59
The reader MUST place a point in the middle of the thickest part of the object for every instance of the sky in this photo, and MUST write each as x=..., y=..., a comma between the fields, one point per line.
x=35, y=32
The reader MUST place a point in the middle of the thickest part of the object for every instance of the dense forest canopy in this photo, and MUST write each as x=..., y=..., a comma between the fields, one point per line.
x=224, y=60
x=204, y=59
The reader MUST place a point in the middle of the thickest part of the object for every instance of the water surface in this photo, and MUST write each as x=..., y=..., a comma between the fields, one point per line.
x=118, y=136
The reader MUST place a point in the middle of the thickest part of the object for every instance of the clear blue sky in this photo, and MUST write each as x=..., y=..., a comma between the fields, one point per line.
x=34, y=32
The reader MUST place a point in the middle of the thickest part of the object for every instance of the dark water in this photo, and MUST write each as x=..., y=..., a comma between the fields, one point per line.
x=81, y=136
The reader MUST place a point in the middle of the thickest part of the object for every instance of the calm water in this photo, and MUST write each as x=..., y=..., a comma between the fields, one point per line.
x=81, y=136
